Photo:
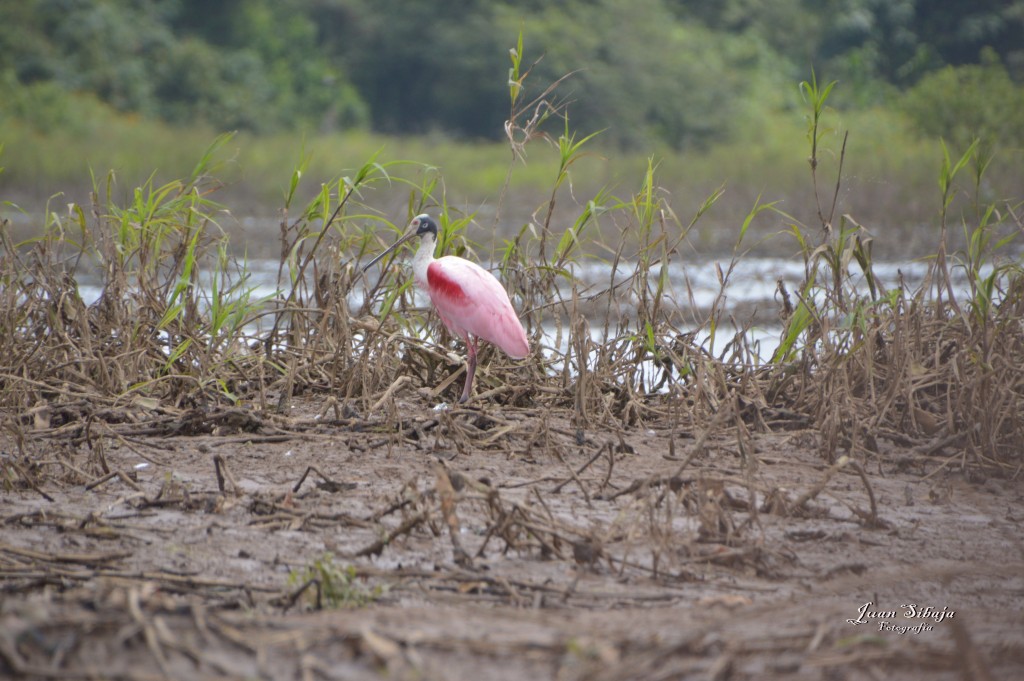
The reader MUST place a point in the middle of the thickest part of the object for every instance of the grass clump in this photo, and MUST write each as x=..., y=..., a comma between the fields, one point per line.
x=936, y=362
x=172, y=312
x=325, y=584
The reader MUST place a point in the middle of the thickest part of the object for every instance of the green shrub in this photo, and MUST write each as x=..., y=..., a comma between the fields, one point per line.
x=964, y=103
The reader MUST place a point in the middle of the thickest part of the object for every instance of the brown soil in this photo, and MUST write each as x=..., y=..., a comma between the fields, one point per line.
x=494, y=543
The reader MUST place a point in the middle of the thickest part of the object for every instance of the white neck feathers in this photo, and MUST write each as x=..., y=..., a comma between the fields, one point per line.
x=424, y=256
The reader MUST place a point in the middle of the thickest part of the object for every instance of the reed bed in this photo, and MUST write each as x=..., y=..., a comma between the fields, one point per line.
x=179, y=324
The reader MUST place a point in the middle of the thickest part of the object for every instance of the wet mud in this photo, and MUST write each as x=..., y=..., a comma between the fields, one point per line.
x=491, y=542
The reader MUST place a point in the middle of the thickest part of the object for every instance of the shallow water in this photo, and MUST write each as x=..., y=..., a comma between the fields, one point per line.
x=752, y=280
x=748, y=292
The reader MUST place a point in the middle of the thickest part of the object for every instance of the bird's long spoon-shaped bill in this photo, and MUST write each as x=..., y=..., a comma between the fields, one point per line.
x=408, y=235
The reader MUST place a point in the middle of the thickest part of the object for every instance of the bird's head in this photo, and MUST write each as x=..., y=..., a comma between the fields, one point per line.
x=421, y=225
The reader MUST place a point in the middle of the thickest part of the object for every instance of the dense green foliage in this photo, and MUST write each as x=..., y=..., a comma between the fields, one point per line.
x=682, y=73
x=251, y=65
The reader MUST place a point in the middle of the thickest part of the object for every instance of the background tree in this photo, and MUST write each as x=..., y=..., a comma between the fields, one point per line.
x=681, y=73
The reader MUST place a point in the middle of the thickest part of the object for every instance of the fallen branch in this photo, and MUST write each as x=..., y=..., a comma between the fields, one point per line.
x=328, y=484
x=221, y=468
x=124, y=477
x=377, y=547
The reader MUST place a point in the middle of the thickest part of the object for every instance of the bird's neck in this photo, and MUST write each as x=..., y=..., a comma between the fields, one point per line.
x=424, y=256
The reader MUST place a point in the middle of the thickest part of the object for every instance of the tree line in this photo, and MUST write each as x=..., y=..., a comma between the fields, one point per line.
x=681, y=73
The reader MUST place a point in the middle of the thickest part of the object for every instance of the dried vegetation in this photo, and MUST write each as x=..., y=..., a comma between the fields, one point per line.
x=179, y=323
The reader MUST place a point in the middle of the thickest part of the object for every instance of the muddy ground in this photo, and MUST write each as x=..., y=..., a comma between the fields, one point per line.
x=494, y=543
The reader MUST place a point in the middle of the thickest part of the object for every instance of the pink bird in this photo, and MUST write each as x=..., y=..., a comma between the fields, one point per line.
x=469, y=300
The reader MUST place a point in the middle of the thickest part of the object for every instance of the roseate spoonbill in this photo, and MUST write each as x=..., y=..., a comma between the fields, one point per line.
x=468, y=298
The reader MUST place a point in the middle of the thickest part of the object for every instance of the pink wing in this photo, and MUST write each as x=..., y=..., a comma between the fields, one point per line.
x=470, y=300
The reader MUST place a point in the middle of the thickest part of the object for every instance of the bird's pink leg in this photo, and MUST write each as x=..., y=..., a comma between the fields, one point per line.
x=470, y=367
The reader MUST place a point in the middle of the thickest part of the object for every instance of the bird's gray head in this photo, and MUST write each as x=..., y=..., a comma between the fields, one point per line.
x=421, y=226
x=424, y=224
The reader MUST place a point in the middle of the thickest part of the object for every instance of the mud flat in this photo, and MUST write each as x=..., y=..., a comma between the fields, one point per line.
x=496, y=542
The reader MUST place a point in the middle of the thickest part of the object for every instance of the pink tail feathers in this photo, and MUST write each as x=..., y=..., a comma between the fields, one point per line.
x=513, y=338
